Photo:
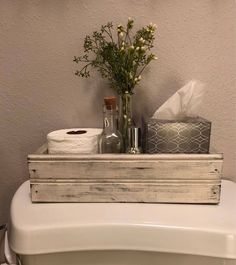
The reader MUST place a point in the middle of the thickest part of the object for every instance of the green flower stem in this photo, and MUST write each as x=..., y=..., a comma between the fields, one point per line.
x=125, y=117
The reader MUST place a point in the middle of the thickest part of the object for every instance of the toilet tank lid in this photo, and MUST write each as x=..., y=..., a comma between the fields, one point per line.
x=208, y=230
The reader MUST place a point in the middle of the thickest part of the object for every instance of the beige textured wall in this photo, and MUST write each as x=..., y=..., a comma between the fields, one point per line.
x=39, y=93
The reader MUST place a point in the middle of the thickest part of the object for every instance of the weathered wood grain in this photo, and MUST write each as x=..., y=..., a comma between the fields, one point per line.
x=127, y=192
x=170, y=178
x=156, y=169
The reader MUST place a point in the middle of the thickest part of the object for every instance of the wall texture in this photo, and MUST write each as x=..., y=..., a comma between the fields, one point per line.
x=39, y=92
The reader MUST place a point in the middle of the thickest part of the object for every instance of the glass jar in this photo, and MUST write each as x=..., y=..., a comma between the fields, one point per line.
x=111, y=139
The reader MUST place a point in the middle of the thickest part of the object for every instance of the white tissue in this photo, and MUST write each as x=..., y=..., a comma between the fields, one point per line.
x=184, y=103
x=60, y=142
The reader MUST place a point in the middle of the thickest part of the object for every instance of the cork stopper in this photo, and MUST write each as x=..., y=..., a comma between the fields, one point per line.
x=110, y=102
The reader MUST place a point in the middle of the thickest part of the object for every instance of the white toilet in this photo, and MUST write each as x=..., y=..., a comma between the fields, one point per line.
x=123, y=233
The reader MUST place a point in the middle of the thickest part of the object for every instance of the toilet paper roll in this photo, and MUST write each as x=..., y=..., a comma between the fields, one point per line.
x=75, y=140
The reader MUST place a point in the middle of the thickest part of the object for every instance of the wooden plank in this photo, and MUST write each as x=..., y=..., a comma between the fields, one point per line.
x=112, y=180
x=126, y=192
x=42, y=155
x=155, y=178
x=122, y=157
x=164, y=169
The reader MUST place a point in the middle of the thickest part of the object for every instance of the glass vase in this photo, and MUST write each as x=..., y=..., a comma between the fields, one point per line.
x=125, y=119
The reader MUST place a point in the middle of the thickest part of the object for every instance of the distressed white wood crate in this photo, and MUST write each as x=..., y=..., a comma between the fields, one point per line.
x=155, y=178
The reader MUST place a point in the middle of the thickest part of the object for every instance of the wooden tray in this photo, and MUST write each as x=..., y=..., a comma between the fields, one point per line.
x=155, y=178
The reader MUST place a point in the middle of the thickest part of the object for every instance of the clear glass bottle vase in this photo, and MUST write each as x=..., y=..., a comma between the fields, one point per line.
x=125, y=118
x=111, y=139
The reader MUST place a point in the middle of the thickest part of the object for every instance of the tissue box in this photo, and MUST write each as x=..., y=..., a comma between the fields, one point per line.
x=190, y=136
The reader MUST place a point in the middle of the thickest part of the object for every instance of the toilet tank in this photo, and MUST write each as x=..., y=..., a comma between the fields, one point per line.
x=123, y=233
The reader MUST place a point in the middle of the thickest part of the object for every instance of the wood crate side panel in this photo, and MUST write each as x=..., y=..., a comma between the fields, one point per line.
x=126, y=192
x=126, y=169
x=42, y=154
x=114, y=180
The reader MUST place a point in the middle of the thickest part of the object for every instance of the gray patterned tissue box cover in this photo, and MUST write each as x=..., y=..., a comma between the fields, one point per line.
x=191, y=136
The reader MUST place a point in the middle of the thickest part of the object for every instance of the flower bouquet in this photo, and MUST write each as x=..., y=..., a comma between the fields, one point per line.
x=121, y=57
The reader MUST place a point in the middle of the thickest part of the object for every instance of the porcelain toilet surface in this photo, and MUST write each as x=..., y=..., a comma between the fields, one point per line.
x=123, y=233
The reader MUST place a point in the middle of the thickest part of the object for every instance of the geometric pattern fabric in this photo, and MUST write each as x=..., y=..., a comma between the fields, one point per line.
x=191, y=136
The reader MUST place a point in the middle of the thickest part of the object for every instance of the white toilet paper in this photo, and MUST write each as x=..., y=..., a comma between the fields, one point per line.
x=75, y=140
